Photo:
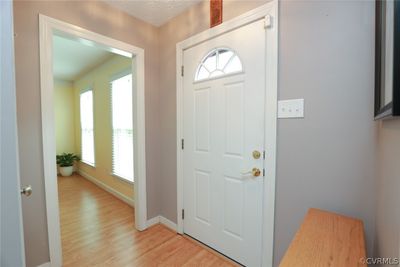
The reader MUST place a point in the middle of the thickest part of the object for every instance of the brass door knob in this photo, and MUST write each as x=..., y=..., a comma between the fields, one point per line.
x=256, y=172
x=27, y=190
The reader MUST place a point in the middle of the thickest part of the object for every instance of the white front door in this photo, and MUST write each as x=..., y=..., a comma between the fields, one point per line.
x=223, y=124
x=12, y=251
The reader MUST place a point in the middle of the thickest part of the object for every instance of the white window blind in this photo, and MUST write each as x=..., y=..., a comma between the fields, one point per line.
x=122, y=127
x=87, y=133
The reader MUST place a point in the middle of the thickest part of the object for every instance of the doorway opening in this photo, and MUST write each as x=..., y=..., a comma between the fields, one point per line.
x=94, y=142
x=92, y=91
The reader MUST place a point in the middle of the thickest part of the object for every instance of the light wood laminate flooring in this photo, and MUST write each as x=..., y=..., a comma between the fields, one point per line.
x=97, y=229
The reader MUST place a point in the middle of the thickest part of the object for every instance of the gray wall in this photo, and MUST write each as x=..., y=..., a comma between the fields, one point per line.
x=327, y=159
x=101, y=18
x=388, y=191
x=326, y=56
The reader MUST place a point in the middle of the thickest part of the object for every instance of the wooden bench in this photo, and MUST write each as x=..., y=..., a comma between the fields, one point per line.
x=327, y=239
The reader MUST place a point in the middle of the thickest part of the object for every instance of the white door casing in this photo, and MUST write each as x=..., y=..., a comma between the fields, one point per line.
x=47, y=27
x=12, y=251
x=222, y=121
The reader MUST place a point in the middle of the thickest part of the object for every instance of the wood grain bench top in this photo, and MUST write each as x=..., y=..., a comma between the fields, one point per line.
x=327, y=239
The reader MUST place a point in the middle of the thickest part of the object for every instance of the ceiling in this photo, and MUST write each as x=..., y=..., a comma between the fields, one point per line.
x=72, y=58
x=155, y=12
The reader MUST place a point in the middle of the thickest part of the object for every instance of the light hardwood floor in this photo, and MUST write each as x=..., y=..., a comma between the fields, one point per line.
x=97, y=229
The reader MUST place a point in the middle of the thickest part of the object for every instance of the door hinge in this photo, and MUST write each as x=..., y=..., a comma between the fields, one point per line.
x=267, y=21
x=183, y=214
x=264, y=154
x=183, y=144
x=182, y=70
x=263, y=172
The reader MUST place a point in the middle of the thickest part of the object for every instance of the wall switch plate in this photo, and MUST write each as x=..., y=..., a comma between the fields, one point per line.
x=293, y=108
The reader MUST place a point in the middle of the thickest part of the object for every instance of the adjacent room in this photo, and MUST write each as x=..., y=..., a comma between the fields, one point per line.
x=200, y=133
x=93, y=113
x=94, y=139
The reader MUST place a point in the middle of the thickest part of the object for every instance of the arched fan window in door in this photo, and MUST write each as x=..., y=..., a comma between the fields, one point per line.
x=218, y=62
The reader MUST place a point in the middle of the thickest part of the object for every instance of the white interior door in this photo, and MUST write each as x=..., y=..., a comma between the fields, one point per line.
x=11, y=234
x=223, y=124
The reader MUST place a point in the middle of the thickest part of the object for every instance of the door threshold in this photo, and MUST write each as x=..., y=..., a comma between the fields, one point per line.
x=211, y=250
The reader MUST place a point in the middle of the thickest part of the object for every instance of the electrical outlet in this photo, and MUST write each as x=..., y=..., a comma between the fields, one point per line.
x=293, y=108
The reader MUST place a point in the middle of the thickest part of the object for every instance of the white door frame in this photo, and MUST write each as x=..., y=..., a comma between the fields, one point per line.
x=47, y=27
x=269, y=12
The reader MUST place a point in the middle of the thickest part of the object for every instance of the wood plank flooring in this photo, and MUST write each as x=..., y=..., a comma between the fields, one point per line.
x=97, y=229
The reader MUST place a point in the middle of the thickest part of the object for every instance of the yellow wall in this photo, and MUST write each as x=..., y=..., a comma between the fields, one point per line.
x=64, y=116
x=99, y=80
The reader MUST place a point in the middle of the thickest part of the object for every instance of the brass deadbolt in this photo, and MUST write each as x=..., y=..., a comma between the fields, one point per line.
x=256, y=154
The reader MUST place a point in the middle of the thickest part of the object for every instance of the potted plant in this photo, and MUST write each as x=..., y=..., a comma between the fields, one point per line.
x=66, y=162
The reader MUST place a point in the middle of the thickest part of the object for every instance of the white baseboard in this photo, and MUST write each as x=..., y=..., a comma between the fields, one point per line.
x=46, y=264
x=171, y=225
x=164, y=221
x=153, y=221
x=109, y=189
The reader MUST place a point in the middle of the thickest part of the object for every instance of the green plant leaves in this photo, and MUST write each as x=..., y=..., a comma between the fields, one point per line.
x=67, y=159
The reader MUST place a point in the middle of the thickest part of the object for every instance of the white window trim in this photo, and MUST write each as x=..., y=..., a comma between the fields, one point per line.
x=114, y=77
x=200, y=64
x=90, y=88
x=88, y=163
x=123, y=179
x=269, y=12
x=48, y=26
x=87, y=88
x=219, y=77
x=120, y=74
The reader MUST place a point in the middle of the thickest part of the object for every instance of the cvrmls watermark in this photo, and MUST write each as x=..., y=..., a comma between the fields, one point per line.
x=376, y=261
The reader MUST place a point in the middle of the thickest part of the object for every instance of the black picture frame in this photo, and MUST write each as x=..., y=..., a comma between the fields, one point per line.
x=384, y=108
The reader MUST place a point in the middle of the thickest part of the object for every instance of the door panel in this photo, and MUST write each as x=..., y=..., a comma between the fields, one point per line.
x=223, y=124
x=202, y=194
x=202, y=119
x=11, y=233
x=234, y=133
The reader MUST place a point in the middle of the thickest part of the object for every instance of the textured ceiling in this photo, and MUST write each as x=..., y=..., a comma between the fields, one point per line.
x=156, y=12
x=72, y=58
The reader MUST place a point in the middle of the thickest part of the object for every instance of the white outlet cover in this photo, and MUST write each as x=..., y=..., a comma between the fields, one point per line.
x=292, y=108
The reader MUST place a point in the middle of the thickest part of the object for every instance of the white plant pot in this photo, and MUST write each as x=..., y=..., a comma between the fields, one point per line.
x=66, y=171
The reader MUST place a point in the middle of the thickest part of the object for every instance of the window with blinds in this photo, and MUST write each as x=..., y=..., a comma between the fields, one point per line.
x=87, y=132
x=122, y=127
